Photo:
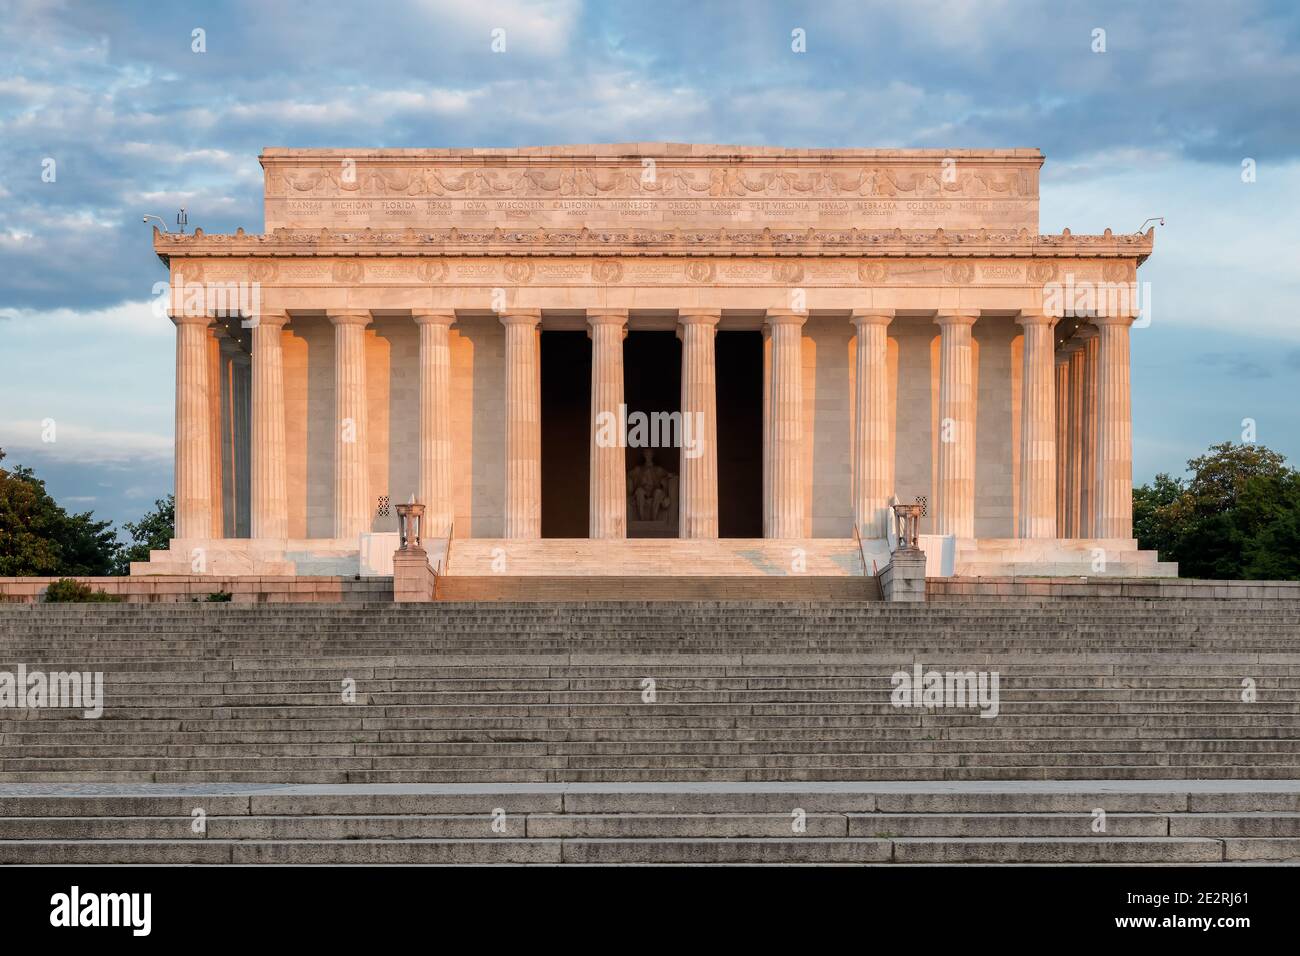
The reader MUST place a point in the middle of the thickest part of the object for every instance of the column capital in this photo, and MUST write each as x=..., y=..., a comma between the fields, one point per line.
x=862, y=317
x=1037, y=318
x=188, y=318
x=699, y=316
x=785, y=317
x=530, y=317
x=616, y=317
x=1120, y=320
x=956, y=316
x=275, y=319
x=433, y=316
x=349, y=316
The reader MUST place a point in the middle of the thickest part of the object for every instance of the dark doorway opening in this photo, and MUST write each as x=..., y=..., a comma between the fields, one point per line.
x=739, y=357
x=652, y=385
x=566, y=408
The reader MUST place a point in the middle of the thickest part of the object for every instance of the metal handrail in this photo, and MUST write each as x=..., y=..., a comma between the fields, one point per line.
x=445, y=560
x=446, y=552
x=862, y=553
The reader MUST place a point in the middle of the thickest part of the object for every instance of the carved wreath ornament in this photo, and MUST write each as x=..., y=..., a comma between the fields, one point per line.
x=519, y=271
x=700, y=271
x=347, y=270
x=607, y=271
x=789, y=272
x=431, y=270
x=873, y=272
x=959, y=273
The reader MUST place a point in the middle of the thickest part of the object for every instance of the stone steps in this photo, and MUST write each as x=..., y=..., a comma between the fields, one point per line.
x=1159, y=823
x=499, y=693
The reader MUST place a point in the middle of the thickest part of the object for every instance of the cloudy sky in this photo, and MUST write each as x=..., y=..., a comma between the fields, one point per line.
x=137, y=122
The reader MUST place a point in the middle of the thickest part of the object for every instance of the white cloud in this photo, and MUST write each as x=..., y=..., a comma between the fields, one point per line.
x=533, y=27
x=79, y=444
x=132, y=318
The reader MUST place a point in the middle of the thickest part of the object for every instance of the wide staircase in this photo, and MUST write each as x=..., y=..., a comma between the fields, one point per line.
x=698, y=716
x=1169, y=823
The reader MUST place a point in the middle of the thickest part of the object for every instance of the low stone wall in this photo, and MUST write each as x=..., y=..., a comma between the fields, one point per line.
x=246, y=589
x=742, y=588
x=962, y=588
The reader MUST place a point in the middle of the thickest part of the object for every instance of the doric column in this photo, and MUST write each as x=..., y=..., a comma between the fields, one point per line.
x=784, y=448
x=1038, y=474
x=1088, y=434
x=607, y=500
x=227, y=417
x=351, y=465
x=268, y=479
x=1074, y=442
x=523, y=505
x=435, y=481
x=242, y=379
x=216, y=436
x=954, y=511
x=698, y=509
x=1113, y=485
x=1062, y=395
x=193, y=428
x=767, y=428
x=871, y=465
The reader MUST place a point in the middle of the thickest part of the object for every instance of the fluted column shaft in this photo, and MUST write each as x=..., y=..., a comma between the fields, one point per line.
x=1074, y=460
x=1038, y=472
x=872, y=469
x=698, y=517
x=607, y=500
x=435, y=489
x=1113, y=485
x=216, y=436
x=785, y=490
x=1088, y=436
x=268, y=473
x=193, y=428
x=955, y=508
x=523, y=504
x=767, y=429
x=1062, y=394
x=351, y=460
x=228, y=442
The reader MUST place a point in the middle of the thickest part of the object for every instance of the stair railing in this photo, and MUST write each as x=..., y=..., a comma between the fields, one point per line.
x=440, y=568
x=862, y=552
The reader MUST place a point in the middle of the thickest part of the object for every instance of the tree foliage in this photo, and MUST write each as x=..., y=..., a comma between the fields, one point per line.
x=1236, y=516
x=37, y=537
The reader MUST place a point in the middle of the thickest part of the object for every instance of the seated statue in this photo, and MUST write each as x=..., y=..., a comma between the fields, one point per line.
x=651, y=491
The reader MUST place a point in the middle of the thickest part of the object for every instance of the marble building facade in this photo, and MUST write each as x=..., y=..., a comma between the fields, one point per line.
x=384, y=336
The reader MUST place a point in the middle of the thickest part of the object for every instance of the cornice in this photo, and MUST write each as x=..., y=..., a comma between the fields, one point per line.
x=719, y=242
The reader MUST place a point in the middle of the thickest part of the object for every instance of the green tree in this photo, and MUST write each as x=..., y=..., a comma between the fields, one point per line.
x=153, y=532
x=28, y=521
x=37, y=537
x=1274, y=553
x=1237, y=516
x=1154, y=525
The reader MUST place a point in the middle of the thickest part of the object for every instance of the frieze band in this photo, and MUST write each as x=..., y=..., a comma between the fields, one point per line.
x=520, y=271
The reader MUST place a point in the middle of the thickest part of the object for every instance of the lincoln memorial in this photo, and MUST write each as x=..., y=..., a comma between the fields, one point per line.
x=653, y=358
